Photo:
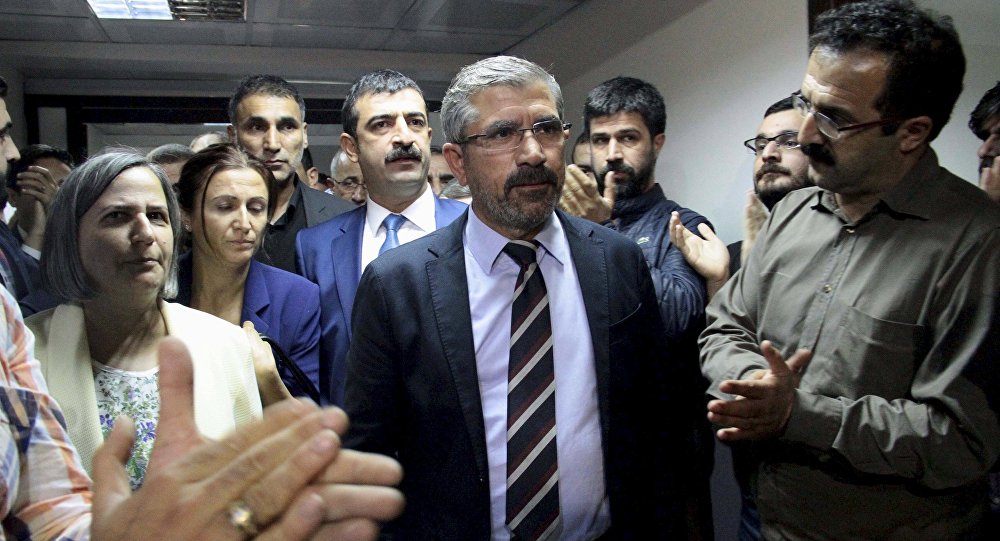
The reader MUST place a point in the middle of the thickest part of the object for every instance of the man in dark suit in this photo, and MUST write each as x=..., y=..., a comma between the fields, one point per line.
x=267, y=118
x=386, y=132
x=514, y=360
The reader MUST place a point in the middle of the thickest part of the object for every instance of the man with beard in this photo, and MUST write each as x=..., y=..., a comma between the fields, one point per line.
x=985, y=123
x=512, y=359
x=386, y=132
x=857, y=345
x=626, y=119
x=267, y=118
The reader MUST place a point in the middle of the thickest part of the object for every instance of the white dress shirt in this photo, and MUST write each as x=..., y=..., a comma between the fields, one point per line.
x=491, y=275
x=420, y=221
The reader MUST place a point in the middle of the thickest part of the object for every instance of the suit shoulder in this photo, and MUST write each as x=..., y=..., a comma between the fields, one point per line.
x=283, y=281
x=323, y=232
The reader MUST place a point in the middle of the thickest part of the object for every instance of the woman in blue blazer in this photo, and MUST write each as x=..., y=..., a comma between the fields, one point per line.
x=227, y=199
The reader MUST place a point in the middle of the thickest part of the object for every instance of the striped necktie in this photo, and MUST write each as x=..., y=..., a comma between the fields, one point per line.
x=532, y=474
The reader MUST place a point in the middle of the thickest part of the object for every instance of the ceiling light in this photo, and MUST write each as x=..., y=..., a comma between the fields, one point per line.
x=187, y=10
x=131, y=9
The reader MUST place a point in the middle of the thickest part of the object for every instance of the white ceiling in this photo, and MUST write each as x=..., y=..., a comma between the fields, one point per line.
x=60, y=47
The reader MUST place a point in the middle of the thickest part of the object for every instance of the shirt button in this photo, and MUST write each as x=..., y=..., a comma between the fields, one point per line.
x=827, y=288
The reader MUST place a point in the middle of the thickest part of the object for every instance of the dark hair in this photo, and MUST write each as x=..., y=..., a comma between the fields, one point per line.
x=987, y=108
x=784, y=104
x=583, y=138
x=170, y=153
x=3, y=88
x=265, y=85
x=307, y=159
x=383, y=81
x=926, y=63
x=627, y=95
x=31, y=155
x=203, y=166
x=61, y=269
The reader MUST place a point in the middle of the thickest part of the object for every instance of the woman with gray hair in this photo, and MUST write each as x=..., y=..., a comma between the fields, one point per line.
x=109, y=251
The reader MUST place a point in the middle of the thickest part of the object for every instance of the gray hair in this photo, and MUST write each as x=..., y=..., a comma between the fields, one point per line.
x=457, y=111
x=61, y=268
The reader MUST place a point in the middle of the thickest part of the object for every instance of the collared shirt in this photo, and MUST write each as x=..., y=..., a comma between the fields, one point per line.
x=894, y=424
x=419, y=222
x=278, y=248
x=44, y=491
x=491, y=276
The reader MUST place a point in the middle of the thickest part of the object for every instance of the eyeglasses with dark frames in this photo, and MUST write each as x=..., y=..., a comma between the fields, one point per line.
x=786, y=140
x=503, y=137
x=827, y=126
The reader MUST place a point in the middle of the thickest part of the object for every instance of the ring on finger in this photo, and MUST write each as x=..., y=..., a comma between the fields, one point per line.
x=241, y=517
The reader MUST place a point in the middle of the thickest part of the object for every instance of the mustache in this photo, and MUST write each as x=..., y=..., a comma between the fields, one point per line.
x=771, y=167
x=399, y=153
x=617, y=167
x=818, y=152
x=530, y=175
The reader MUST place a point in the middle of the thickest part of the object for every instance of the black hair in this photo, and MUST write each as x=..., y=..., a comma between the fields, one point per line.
x=384, y=81
x=784, y=104
x=627, y=95
x=926, y=63
x=987, y=108
x=265, y=85
x=30, y=156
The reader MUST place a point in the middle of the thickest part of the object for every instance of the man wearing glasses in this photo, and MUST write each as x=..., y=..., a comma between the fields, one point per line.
x=858, y=344
x=347, y=181
x=387, y=134
x=514, y=359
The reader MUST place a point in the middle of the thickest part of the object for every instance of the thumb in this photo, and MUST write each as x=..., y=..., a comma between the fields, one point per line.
x=176, y=428
x=111, y=485
x=775, y=362
x=609, y=187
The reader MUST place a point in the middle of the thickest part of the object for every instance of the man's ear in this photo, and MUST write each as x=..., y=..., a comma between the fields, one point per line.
x=350, y=146
x=456, y=161
x=657, y=143
x=913, y=133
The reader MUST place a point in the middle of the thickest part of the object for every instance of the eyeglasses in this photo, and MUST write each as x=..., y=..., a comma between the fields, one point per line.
x=349, y=183
x=827, y=126
x=499, y=138
x=786, y=141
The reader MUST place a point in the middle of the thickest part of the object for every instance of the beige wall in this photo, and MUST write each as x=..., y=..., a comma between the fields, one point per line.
x=719, y=64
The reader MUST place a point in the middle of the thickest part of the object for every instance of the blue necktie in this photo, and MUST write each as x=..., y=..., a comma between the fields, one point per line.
x=392, y=224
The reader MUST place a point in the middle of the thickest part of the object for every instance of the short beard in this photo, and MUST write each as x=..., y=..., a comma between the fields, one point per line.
x=515, y=216
x=638, y=179
x=770, y=193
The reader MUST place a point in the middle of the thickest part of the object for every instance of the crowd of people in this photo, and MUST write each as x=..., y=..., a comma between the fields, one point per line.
x=479, y=340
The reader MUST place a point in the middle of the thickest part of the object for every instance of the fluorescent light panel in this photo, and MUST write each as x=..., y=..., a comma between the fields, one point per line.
x=131, y=9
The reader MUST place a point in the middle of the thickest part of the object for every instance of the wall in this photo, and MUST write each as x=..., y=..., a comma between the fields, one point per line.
x=719, y=64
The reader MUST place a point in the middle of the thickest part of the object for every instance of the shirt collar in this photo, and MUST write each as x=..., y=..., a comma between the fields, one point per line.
x=420, y=213
x=485, y=244
x=914, y=196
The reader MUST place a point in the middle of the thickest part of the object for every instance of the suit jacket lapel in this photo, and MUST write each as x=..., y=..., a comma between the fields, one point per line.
x=592, y=272
x=346, y=252
x=450, y=299
x=71, y=378
x=256, y=298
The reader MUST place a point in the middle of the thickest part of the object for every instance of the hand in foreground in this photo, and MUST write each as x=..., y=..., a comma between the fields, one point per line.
x=989, y=180
x=764, y=402
x=38, y=183
x=580, y=198
x=196, y=488
x=708, y=256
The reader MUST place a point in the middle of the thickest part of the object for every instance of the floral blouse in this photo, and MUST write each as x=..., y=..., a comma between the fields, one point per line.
x=136, y=395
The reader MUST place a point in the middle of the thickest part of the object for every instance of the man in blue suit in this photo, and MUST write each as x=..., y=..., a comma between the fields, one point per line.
x=386, y=132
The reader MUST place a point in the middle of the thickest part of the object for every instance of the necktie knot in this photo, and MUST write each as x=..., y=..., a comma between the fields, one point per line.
x=523, y=252
x=392, y=224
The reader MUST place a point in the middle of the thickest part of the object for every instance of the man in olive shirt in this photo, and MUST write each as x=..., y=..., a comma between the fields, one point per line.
x=861, y=336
